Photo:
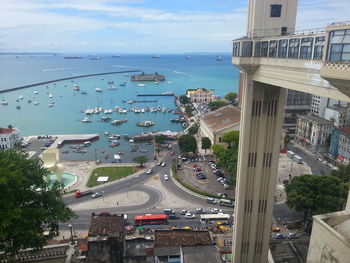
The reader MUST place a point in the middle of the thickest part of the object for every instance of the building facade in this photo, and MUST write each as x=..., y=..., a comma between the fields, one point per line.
x=314, y=133
x=319, y=104
x=8, y=138
x=200, y=95
x=344, y=145
x=338, y=114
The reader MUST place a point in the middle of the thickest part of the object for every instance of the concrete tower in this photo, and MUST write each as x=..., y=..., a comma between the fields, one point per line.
x=271, y=17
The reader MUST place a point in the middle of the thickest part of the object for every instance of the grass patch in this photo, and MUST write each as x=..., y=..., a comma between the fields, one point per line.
x=114, y=173
x=194, y=189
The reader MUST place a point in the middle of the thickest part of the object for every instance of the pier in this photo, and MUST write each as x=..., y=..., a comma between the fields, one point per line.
x=160, y=94
x=140, y=101
x=68, y=78
x=148, y=77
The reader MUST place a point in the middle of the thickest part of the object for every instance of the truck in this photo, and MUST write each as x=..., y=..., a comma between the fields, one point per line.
x=298, y=159
x=84, y=193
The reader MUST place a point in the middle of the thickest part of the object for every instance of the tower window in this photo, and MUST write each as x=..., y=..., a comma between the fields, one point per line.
x=276, y=10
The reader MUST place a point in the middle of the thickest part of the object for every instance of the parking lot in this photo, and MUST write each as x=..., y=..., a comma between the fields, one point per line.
x=210, y=184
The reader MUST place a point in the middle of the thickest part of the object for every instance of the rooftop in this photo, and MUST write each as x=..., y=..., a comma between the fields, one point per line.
x=106, y=225
x=222, y=118
x=288, y=251
x=203, y=254
x=318, y=120
x=6, y=130
x=201, y=90
x=181, y=237
x=339, y=108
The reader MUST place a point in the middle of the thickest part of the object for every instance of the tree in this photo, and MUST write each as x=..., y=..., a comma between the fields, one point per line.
x=189, y=110
x=29, y=205
x=184, y=99
x=231, y=138
x=187, y=143
x=314, y=194
x=217, y=104
x=193, y=129
x=140, y=160
x=218, y=149
x=9, y=126
x=158, y=139
x=231, y=97
x=206, y=143
x=343, y=173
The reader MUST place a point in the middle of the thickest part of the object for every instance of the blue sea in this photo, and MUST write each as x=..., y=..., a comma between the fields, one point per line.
x=181, y=73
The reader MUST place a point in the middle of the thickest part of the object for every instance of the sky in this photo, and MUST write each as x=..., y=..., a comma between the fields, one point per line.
x=140, y=26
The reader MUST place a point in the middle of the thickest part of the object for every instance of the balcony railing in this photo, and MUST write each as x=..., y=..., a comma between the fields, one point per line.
x=331, y=44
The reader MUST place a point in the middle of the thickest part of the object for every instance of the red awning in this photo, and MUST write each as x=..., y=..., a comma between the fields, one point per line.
x=340, y=158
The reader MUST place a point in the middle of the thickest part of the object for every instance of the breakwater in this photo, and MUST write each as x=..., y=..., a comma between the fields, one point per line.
x=68, y=78
x=161, y=94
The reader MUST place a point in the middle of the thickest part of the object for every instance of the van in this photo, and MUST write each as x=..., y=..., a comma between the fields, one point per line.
x=168, y=211
x=225, y=202
x=290, y=154
x=298, y=159
x=211, y=200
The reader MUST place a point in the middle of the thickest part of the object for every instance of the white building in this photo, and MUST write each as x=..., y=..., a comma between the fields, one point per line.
x=344, y=145
x=215, y=124
x=314, y=132
x=319, y=104
x=338, y=114
x=200, y=95
x=8, y=138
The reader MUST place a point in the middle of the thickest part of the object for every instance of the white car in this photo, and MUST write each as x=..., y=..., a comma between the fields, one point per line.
x=189, y=216
x=149, y=171
x=163, y=164
x=215, y=210
x=97, y=194
x=166, y=177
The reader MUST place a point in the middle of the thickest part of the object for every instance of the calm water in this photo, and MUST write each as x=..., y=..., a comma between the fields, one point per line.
x=66, y=116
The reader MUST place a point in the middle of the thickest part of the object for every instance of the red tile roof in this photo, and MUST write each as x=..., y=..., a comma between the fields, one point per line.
x=106, y=225
x=223, y=117
x=6, y=130
x=180, y=237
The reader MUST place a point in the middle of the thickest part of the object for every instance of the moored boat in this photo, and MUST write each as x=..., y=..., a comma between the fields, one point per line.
x=146, y=124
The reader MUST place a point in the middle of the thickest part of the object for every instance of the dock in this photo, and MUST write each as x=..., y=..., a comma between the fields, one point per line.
x=160, y=94
x=69, y=78
x=73, y=138
x=140, y=101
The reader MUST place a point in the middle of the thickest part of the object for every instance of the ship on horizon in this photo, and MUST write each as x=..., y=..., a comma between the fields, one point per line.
x=73, y=57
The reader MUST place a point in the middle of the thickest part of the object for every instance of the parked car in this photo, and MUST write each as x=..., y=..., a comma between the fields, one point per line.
x=168, y=211
x=159, y=164
x=220, y=179
x=183, y=212
x=222, y=195
x=149, y=171
x=292, y=235
x=200, y=211
x=163, y=164
x=195, y=165
x=201, y=177
x=189, y=216
x=97, y=194
x=179, y=168
x=104, y=213
x=216, y=210
x=278, y=236
x=226, y=186
x=166, y=177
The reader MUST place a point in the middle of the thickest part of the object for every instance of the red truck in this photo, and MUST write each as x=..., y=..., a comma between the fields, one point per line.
x=81, y=194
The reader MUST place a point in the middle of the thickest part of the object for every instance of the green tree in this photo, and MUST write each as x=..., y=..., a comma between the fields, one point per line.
x=218, y=149
x=187, y=143
x=343, y=173
x=313, y=194
x=206, y=144
x=193, y=129
x=189, y=110
x=158, y=139
x=184, y=99
x=140, y=160
x=217, y=104
x=29, y=206
x=231, y=97
x=231, y=138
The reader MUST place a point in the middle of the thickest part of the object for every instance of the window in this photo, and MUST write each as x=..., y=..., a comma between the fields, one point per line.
x=339, y=45
x=257, y=49
x=293, y=51
x=276, y=10
x=306, y=47
x=235, y=51
x=264, y=48
x=282, y=48
x=247, y=49
x=318, y=49
x=273, y=48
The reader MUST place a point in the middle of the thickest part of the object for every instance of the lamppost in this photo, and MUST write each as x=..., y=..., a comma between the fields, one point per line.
x=71, y=233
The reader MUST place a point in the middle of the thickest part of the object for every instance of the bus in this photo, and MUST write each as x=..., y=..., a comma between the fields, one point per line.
x=213, y=219
x=225, y=202
x=142, y=220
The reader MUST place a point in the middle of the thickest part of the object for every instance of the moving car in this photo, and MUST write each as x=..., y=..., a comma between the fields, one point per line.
x=278, y=236
x=166, y=177
x=200, y=211
x=173, y=216
x=292, y=235
x=97, y=194
x=184, y=212
x=189, y=216
x=215, y=210
x=211, y=200
x=163, y=164
x=149, y=171
x=168, y=211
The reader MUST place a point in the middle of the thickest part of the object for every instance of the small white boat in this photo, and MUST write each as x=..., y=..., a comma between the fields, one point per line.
x=21, y=97
x=86, y=119
x=169, y=82
x=52, y=104
x=36, y=103
x=98, y=90
x=112, y=87
x=141, y=85
x=4, y=102
x=76, y=87
x=50, y=95
x=35, y=92
x=106, y=132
